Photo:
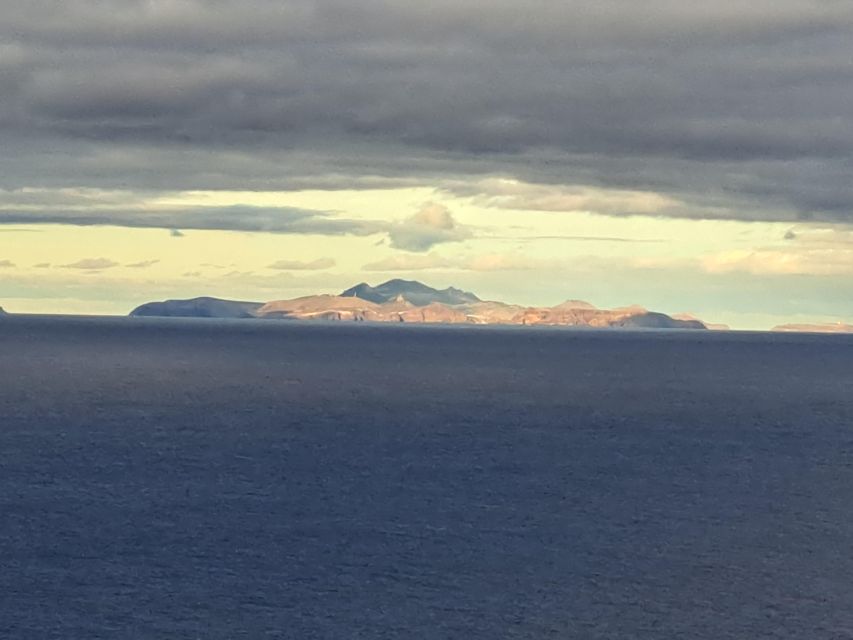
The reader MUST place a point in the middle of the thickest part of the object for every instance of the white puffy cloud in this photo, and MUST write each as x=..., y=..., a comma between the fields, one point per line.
x=433, y=224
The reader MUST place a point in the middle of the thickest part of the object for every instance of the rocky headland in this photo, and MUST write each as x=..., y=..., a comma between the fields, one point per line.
x=198, y=308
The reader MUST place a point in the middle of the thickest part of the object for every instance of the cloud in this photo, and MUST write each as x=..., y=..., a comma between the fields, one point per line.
x=5, y=264
x=817, y=251
x=510, y=193
x=297, y=265
x=92, y=264
x=749, y=261
x=42, y=265
x=409, y=262
x=573, y=238
x=731, y=110
x=505, y=262
x=142, y=265
x=176, y=233
x=837, y=237
x=38, y=197
x=479, y=262
x=227, y=218
x=433, y=224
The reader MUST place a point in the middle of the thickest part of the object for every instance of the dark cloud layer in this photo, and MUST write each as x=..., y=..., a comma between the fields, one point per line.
x=737, y=109
x=236, y=218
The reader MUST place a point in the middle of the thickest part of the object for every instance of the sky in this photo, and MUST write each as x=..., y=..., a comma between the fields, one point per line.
x=687, y=157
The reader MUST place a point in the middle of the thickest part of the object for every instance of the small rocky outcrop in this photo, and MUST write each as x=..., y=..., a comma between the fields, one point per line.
x=832, y=327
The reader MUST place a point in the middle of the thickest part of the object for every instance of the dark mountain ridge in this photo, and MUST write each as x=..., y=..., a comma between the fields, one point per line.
x=411, y=291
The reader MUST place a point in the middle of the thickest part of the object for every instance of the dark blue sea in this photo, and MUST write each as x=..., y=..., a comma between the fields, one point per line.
x=183, y=479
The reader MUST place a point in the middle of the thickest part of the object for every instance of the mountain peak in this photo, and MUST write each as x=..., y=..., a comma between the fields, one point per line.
x=412, y=291
x=576, y=304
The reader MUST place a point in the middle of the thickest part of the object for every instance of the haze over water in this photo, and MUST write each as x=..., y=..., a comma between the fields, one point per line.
x=215, y=479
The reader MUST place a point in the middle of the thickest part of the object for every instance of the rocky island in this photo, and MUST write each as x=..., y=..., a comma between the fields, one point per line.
x=836, y=327
x=414, y=302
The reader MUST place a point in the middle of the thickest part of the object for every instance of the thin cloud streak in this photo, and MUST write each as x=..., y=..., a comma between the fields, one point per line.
x=572, y=238
x=92, y=264
x=299, y=265
x=478, y=262
x=144, y=264
x=231, y=218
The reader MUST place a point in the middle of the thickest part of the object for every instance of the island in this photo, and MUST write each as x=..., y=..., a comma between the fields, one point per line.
x=198, y=308
x=410, y=301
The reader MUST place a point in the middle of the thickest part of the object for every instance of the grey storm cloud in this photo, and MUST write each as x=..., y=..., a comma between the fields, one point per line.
x=737, y=110
x=229, y=218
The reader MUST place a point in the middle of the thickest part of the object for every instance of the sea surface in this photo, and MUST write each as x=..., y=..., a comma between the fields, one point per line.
x=202, y=479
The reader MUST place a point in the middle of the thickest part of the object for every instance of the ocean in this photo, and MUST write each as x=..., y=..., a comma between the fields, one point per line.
x=203, y=479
